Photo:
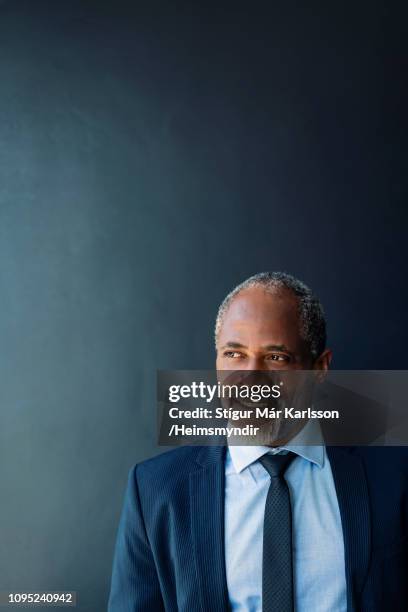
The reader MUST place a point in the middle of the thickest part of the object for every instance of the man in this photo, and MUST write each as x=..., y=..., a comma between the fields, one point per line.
x=300, y=526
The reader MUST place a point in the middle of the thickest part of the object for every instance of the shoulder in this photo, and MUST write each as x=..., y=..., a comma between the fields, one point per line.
x=181, y=459
x=386, y=468
x=164, y=472
x=166, y=478
x=383, y=457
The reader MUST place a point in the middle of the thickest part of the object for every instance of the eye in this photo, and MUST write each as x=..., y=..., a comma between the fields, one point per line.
x=278, y=357
x=232, y=354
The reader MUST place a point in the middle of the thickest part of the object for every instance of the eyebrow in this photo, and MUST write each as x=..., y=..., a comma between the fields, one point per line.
x=234, y=345
x=275, y=347
x=269, y=347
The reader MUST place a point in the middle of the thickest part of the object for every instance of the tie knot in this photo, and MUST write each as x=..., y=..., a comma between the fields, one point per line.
x=276, y=465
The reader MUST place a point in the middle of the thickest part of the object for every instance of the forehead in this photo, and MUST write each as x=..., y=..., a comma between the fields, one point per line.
x=262, y=316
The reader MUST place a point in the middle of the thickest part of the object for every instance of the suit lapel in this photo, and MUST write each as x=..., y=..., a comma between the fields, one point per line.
x=352, y=493
x=207, y=525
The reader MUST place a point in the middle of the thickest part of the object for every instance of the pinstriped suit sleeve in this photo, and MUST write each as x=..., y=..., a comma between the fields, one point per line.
x=135, y=585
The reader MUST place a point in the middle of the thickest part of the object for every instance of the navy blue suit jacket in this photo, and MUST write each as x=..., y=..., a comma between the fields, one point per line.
x=170, y=545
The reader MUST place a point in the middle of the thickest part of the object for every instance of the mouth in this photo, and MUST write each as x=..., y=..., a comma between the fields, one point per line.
x=246, y=403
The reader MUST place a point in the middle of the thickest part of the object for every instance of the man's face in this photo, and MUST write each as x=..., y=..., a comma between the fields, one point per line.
x=261, y=331
x=260, y=343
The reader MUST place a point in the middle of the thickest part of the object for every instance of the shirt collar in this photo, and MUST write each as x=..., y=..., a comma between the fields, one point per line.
x=301, y=444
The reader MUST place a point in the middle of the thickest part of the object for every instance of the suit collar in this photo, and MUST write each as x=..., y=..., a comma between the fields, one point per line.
x=209, y=455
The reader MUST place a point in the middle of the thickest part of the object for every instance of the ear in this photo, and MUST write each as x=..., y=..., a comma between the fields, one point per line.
x=322, y=364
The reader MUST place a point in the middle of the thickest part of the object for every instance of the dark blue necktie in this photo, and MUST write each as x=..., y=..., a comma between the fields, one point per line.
x=277, y=565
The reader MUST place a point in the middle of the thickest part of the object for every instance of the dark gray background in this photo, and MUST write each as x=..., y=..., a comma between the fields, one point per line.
x=151, y=157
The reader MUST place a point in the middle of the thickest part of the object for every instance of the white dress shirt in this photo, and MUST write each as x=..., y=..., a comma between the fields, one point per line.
x=317, y=537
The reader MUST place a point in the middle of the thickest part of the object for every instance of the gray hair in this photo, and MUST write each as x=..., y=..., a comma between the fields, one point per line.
x=311, y=313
